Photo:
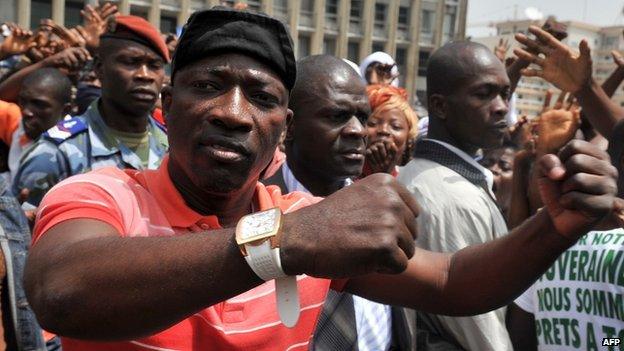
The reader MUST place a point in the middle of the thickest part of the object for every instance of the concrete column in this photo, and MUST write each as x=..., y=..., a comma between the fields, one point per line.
x=58, y=11
x=413, y=50
x=439, y=27
x=368, y=21
x=124, y=7
x=293, y=22
x=344, y=15
x=185, y=12
x=319, y=28
x=393, y=22
x=460, y=32
x=267, y=7
x=23, y=13
x=153, y=14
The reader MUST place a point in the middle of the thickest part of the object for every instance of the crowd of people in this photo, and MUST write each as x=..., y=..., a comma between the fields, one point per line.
x=210, y=192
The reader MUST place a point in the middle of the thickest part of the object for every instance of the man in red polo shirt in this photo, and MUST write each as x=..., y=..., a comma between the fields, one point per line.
x=196, y=255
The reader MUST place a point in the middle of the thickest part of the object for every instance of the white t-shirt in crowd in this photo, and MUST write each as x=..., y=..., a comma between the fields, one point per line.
x=580, y=299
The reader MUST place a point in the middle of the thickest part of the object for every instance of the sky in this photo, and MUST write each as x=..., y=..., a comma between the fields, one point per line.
x=598, y=12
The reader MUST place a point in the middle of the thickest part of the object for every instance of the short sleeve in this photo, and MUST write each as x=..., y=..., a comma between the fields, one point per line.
x=40, y=169
x=83, y=196
x=10, y=116
x=526, y=301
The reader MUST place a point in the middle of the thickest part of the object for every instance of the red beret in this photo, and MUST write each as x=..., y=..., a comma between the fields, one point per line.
x=138, y=29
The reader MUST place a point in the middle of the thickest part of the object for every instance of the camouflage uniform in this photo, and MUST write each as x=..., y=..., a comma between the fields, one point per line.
x=77, y=146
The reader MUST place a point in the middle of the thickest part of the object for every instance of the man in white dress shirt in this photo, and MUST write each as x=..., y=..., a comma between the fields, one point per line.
x=325, y=146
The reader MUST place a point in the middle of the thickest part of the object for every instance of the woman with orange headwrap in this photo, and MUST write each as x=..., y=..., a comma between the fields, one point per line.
x=392, y=128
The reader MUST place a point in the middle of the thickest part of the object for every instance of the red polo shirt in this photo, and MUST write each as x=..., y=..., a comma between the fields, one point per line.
x=146, y=203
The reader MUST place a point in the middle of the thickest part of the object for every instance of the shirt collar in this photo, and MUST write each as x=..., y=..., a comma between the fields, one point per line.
x=489, y=177
x=178, y=213
x=292, y=184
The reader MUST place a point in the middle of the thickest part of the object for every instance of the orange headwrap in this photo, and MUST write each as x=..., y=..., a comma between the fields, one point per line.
x=385, y=97
x=380, y=94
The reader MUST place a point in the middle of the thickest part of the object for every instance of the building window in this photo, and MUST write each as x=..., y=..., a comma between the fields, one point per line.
x=253, y=5
x=426, y=22
x=423, y=60
x=303, y=48
x=403, y=21
x=72, y=13
x=356, y=9
x=331, y=7
x=449, y=25
x=40, y=9
x=378, y=47
x=138, y=11
x=611, y=42
x=280, y=8
x=329, y=46
x=307, y=6
x=380, y=15
x=401, y=56
x=282, y=4
x=401, y=61
x=168, y=24
x=353, y=51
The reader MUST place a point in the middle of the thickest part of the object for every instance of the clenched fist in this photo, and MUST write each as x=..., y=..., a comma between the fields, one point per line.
x=368, y=227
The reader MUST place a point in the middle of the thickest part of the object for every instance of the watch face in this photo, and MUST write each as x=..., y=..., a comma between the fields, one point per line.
x=257, y=226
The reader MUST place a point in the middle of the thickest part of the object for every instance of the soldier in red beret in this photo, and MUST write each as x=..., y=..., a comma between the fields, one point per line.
x=116, y=130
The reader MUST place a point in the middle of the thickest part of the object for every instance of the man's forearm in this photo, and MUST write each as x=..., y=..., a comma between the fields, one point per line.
x=89, y=290
x=611, y=84
x=601, y=112
x=488, y=276
x=474, y=280
x=10, y=87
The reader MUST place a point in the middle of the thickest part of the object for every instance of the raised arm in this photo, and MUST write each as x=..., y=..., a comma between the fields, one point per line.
x=578, y=189
x=68, y=59
x=570, y=72
x=614, y=80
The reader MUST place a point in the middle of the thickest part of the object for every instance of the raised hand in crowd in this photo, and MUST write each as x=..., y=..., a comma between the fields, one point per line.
x=17, y=43
x=560, y=65
x=381, y=155
x=552, y=129
x=557, y=125
x=614, y=80
x=69, y=60
x=95, y=22
x=68, y=37
x=501, y=49
x=516, y=65
x=572, y=72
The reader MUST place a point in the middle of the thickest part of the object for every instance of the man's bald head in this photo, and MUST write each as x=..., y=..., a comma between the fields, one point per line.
x=467, y=93
x=452, y=64
x=319, y=73
x=325, y=142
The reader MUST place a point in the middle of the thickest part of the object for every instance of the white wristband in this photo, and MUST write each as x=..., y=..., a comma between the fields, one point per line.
x=267, y=265
x=264, y=261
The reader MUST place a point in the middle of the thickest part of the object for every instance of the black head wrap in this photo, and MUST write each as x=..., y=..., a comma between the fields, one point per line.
x=222, y=30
